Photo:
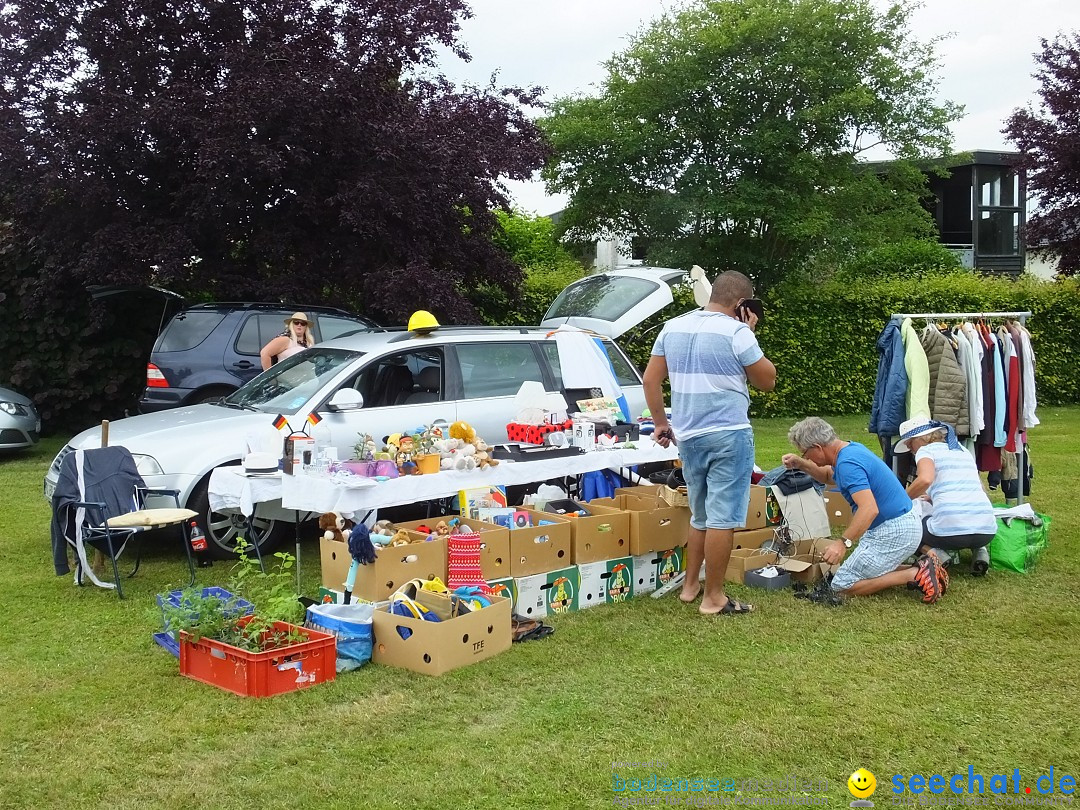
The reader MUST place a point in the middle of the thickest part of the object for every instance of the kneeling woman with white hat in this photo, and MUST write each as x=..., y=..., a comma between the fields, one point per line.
x=959, y=514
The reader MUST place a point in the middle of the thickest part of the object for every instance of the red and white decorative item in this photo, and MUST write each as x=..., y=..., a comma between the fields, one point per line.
x=463, y=561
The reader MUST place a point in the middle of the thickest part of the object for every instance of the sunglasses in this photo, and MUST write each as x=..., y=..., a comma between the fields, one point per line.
x=299, y=323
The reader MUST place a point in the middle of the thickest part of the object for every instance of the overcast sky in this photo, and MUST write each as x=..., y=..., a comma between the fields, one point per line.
x=560, y=44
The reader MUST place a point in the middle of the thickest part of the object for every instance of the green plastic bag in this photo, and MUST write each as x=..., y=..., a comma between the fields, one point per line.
x=1017, y=545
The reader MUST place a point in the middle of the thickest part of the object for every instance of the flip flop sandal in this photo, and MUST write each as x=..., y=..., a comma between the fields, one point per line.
x=733, y=608
x=942, y=574
x=541, y=630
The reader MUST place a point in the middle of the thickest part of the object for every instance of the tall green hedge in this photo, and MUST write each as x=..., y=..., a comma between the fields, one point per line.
x=823, y=338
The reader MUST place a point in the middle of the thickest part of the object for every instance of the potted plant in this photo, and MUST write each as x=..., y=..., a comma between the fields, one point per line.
x=255, y=655
x=427, y=457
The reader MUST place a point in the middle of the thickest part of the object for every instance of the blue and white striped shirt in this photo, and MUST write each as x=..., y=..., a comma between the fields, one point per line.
x=960, y=504
x=706, y=353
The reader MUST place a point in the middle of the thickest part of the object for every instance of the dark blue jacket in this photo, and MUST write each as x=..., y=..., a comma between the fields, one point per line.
x=890, y=391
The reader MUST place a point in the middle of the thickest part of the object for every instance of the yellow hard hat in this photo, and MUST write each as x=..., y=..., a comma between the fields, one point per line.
x=422, y=321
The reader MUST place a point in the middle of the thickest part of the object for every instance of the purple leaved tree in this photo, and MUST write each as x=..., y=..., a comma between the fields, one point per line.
x=259, y=149
x=1048, y=138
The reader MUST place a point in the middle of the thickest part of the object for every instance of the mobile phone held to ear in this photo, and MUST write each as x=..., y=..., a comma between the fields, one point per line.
x=751, y=305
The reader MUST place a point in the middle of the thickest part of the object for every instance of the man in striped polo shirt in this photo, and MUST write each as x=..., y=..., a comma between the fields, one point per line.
x=709, y=355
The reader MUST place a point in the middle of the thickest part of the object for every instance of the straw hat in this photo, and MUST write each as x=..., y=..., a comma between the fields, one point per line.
x=912, y=429
x=297, y=316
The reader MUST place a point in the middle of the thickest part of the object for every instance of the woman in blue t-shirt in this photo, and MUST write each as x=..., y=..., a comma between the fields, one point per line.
x=883, y=523
x=957, y=514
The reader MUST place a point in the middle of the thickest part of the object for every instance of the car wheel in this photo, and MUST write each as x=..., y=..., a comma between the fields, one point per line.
x=222, y=529
x=210, y=395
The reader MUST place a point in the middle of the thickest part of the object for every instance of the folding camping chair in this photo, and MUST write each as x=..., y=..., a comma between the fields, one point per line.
x=99, y=501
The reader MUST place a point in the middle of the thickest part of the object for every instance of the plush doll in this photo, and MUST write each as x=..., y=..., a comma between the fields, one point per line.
x=483, y=455
x=442, y=529
x=360, y=547
x=381, y=532
x=333, y=526
x=400, y=538
x=463, y=431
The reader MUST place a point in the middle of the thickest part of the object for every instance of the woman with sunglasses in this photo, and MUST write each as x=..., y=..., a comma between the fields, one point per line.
x=296, y=337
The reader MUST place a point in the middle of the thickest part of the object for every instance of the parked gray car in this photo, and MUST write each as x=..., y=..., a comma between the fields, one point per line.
x=20, y=425
x=377, y=382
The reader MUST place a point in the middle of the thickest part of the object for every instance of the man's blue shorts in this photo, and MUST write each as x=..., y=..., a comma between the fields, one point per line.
x=717, y=468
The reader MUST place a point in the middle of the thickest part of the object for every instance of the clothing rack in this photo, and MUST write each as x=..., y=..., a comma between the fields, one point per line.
x=1022, y=316
x=1021, y=472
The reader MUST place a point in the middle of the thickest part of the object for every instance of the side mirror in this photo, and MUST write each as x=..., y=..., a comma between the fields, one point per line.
x=346, y=399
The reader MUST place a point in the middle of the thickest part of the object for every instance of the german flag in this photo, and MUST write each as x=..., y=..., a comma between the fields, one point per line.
x=280, y=422
x=313, y=419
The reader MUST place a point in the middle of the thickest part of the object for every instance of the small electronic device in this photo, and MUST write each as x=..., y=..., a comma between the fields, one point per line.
x=751, y=305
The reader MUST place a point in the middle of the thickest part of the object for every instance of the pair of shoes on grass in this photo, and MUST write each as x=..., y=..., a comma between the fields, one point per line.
x=529, y=629
x=931, y=578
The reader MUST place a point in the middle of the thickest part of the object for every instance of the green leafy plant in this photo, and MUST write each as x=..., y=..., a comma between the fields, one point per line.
x=271, y=592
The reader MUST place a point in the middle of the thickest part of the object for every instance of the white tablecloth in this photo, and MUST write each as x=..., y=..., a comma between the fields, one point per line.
x=310, y=493
x=232, y=491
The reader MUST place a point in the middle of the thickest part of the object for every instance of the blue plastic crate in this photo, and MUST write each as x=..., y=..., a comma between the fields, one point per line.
x=168, y=639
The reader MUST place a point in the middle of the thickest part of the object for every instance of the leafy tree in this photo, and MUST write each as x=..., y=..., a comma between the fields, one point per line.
x=727, y=134
x=532, y=245
x=1048, y=139
x=260, y=149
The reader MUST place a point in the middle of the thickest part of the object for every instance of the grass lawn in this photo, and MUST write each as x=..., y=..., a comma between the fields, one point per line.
x=92, y=713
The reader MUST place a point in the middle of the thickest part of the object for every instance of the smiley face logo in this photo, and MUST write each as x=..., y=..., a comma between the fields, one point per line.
x=862, y=784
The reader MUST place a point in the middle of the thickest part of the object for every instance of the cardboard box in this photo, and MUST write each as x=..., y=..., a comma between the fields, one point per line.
x=538, y=549
x=603, y=534
x=757, y=516
x=753, y=538
x=654, y=526
x=804, y=565
x=641, y=489
x=838, y=508
x=506, y=588
x=756, y=580
x=494, y=540
x=547, y=594
x=393, y=567
x=654, y=569
x=434, y=648
x=644, y=572
x=605, y=582
x=747, y=559
x=773, y=513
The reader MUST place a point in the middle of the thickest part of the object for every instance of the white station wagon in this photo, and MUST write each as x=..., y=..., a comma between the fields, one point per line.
x=380, y=382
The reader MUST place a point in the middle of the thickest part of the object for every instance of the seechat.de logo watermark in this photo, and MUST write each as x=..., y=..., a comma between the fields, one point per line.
x=1053, y=783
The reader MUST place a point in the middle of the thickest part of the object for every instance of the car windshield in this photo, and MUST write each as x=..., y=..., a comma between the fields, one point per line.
x=285, y=387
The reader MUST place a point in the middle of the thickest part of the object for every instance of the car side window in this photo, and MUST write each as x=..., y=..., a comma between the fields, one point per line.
x=187, y=330
x=496, y=369
x=406, y=378
x=331, y=327
x=258, y=329
x=624, y=372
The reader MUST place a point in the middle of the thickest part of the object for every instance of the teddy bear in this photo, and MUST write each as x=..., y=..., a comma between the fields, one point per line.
x=333, y=526
x=462, y=430
x=400, y=538
x=483, y=455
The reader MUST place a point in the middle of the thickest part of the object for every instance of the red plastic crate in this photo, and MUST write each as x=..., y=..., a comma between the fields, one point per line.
x=261, y=674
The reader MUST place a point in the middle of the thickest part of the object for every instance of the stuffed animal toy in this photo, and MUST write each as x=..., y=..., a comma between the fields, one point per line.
x=360, y=547
x=463, y=431
x=483, y=455
x=333, y=526
x=400, y=538
x=442, y=529
x=381, y=532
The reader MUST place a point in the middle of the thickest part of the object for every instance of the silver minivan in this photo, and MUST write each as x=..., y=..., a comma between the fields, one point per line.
x=379, y=382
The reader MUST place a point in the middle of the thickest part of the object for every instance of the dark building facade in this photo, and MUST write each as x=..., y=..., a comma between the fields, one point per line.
x=980, y=209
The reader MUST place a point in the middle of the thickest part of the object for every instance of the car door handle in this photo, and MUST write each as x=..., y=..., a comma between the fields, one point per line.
x=244, y=364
